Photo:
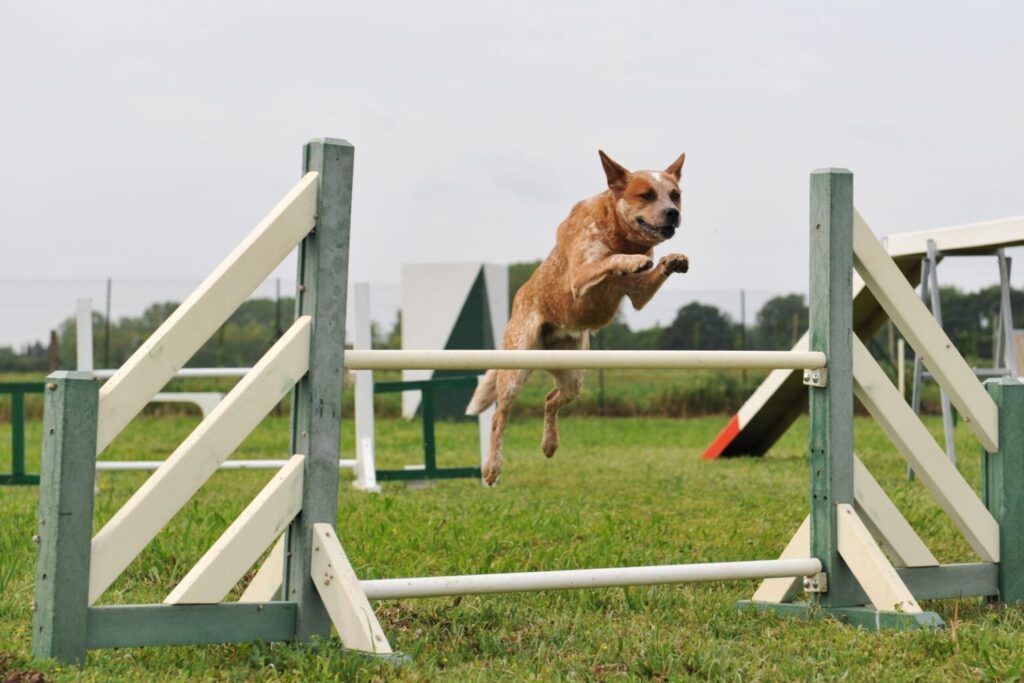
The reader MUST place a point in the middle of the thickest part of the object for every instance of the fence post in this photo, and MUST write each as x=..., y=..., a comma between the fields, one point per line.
x=17, y=435
x=831, y=406
x=1003, y=482
x=316, y=401
x=429, y=439
x=66, y=484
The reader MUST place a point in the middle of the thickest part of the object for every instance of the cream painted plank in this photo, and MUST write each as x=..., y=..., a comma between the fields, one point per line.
x=894, y=534
x=339, y=588
x=242, y=543
x=925, y=335
x=266, y=585
x=873, y=571
x=198, y=457
x=785, y=589
x=198, y=317
x=1005, y=232
x=912, y=439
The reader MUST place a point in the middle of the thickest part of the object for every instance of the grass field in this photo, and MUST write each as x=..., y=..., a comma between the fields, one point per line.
x=620, y=492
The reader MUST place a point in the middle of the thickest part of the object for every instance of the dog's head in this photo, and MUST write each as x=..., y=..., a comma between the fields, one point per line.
x=648, y=202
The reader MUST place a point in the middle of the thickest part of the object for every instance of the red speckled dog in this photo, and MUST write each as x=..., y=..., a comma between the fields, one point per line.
x=603, y=252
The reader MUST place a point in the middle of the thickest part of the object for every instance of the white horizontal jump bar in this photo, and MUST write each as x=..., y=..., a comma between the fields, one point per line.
x=119, y=465
x=552, y=360
x=475, y=584
x=582, y=360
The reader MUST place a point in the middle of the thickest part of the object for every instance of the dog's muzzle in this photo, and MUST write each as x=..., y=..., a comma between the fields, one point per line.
x=665, y=231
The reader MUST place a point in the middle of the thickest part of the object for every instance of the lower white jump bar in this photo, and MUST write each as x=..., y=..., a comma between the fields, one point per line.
x=519, y=582
x=226, y=465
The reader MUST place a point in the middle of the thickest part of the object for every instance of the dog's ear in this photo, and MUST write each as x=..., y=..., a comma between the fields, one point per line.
x=676, y=167
x=617, y=175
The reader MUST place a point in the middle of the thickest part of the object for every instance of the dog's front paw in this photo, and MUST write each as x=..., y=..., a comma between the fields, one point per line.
x=675, y=263
x=630, y=264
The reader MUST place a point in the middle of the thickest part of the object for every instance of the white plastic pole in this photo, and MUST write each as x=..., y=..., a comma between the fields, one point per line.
x=475, y=584
x=484, y=421
x=83, y=334
x=583, y=360
x=901, y=366
x=366, y=465
x=551, y=360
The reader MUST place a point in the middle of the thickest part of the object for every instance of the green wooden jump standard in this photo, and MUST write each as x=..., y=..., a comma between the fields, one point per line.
x=836, y=592
x=65, y=624
x=1003, y=481
x=316, y=408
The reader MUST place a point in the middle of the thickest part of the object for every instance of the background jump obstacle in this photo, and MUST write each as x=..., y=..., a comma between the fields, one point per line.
x=451, y=306
x=306, y=585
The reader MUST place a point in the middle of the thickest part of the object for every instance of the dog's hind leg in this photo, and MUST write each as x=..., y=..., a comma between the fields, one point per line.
x=509, y=384
x=567, y=388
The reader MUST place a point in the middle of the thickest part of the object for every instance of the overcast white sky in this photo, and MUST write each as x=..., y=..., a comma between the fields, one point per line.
x=142, y=140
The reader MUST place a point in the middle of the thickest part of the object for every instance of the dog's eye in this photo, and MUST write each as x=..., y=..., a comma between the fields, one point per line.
x=649, y=196
x=674, y=195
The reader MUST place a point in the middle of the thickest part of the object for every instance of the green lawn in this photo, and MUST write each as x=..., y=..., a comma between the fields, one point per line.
x=620, y=492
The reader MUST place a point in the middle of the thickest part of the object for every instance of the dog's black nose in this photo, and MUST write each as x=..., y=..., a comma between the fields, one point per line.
x=672, y=216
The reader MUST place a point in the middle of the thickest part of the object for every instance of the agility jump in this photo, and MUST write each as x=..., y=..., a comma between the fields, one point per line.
x=844, y=555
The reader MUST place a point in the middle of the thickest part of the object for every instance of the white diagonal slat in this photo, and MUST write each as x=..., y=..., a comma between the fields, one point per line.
x=887, y=524
x=266, y=585
x=206, y=309
x=343, y=597
x=912, y=439
x=925, y=335
x=198, y=457
x=242, y=543
x=869, y=566
x=784, y=589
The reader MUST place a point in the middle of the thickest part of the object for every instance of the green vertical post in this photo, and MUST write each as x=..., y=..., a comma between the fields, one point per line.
x=429, y=439
x=316, y=401
x=1003, y=482
x=18, y=433
x=68, y=475
x=831, y=406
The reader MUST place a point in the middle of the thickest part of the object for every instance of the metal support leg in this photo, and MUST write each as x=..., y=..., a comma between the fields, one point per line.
x=915, y=394
x=947, y=409
x=1006, y=356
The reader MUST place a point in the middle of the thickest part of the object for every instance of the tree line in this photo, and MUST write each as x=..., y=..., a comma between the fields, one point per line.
x=969, y=318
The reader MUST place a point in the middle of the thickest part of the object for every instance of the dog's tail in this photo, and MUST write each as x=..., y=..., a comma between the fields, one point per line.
x=485, y=395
